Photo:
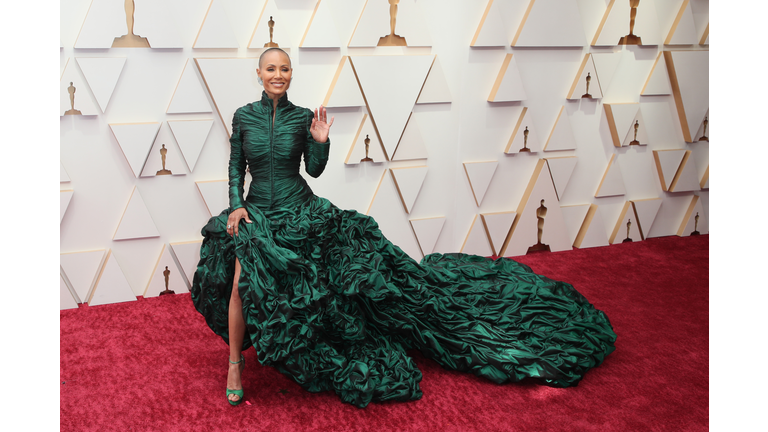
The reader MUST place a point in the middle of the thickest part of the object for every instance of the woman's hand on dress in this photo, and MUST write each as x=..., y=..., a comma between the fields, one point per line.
x=234, y=220
x=320, y=126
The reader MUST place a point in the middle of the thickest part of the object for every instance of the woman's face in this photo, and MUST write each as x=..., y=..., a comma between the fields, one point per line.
x=275, y=70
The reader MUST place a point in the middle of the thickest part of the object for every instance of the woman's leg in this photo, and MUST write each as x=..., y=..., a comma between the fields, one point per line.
x=236, y=333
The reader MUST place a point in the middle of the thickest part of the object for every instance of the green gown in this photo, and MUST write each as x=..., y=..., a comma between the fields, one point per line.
x=332, y=303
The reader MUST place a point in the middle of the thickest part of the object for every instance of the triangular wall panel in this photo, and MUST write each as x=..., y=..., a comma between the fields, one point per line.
x=81, y=270
x=174, y=161
x=135, y=140
x=63, y=176
x=189, y=96
x=497, y=226
x=357, y=150
x=321, y=31
x=616, y=21
x=561, y=169
x=374, y=23
x=518, y=141
x=221, y=76
x=658, y=80
x=689, y=77
x=606, y=65
x=587, y=81
x=435, y=88
x=83, y=99
x=683, y=30
x=641, y=138
x=136, y=221
x=686, y=178
x=344, y=90
x=612, y=183
x=551, y=23
x=561, y=137
x=412, y=144
x=408, y=181
x=216, y=30
x=280, y=31
x=621, y=119
x=387, y=210
x=694, y=219
x=215, y=194
x=476, y=242
x=592, y=232
x=102, y=75
x=152, y=20
x=574, y=218
x=65, y=198
x=427, y=232
x=188, y=255
x=390, y=94
x=645, y=212
x=508, y=86
x=667, y=164
x=479, y=175
x=619, y=233
x=111, y=285
x=156, y=283
x=66, y=300
x=191, y=136
x=491, y=32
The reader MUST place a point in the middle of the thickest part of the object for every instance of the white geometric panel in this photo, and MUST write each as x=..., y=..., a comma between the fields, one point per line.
x=701, y=132
x=215, y=194
x=686, y=178
x=667, y=164
x=344, y=90
x=427, y=231
x=612, y=183
x=518, y=139
x=81, y=270
x=508, y=87
x=408, y=181
x=188, y=254
x=694, y=219
x=83, y=99
x=391, y=94
x=491, y=31
x=619, y=233
x=386, y=208
x=592, y=232
x=621, y=119
x=497, y=226
x=524, y=233
x=551, y=23
x=658, y=80
x=152, y=20
x=645, y=212
x=189, y=96
x=605, y=68
x=616, y=23
x=587, y=73
x=222, y=76
x=156, y=282
x=66, y=197
x=111, y=285
x=66, y=300
x=136, y=221
x=102, y=75
x=174, y=161
x=216, y=30
x=683, y=30
x=191, y=136
x=574, y=218
x=260, y=34
x=561, y=169
x=374, y=23
x=357, y=150
x=704, y=183
x=476, y=242
x=411, y=144
x=479, y=175
x=135, y=140
x=561, y=137
x=321, y=31
x=435, y=88
x=63, y=176
x=689, y=76
x=642, y=131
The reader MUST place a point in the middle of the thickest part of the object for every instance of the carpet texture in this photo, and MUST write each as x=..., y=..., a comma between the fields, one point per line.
x=155, y=365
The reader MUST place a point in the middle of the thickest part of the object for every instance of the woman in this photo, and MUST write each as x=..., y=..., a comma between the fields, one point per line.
x=325, y=298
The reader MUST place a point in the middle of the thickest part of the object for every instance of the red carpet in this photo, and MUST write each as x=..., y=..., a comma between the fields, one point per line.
x=154, y=364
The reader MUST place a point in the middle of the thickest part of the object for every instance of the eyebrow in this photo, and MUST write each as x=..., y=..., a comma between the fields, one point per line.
x=272, y=64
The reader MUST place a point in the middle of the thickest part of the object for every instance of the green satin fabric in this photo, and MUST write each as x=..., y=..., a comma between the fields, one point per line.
x=329, y=301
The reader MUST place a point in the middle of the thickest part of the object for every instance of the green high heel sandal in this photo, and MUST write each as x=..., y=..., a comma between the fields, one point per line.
x=238, y=393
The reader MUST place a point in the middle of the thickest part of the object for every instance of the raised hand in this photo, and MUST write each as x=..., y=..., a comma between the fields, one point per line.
x=320, y=126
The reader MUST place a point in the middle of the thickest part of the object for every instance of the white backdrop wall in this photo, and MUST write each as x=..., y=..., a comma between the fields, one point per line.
x=465, y=129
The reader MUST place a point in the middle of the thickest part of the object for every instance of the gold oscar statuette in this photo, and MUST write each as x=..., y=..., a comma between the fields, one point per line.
x=392, y=39
x=587, y=95
x=704, y=137
x=631, y=39
x=271, y=25
x=163, y=152
x=130, y=40
x=367, y=144
x=629, y=224
x=525, y=142
x=71, y=89
x=166, y=275
x=635, y=141
x=696, y=225
x=541, y=213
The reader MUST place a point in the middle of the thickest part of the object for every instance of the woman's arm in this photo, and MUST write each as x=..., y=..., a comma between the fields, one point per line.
x=318, y=143
x=237, y=164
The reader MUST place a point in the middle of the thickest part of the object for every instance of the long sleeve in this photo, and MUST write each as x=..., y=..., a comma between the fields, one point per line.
x=315, y=153
x=237, y=164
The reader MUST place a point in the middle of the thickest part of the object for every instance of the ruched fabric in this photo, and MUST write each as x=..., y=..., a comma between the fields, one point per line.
x=330, y=302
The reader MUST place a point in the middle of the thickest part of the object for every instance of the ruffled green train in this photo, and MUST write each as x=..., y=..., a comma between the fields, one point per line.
x=329, y=301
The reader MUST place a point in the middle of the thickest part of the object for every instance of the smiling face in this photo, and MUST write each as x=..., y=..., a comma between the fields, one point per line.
x=275, y=70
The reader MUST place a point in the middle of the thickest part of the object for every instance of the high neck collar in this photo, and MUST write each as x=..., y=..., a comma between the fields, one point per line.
x=267, y=101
